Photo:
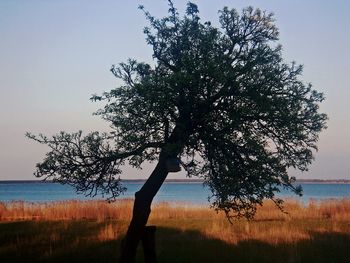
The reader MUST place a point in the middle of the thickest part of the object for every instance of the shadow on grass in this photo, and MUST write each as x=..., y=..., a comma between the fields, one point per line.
x=192, y=246
x=55, y=241
x=32, y=242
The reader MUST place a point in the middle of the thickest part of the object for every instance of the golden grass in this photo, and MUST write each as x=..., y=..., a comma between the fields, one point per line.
x=65, y=210
x=270, y=225
x=121, y=210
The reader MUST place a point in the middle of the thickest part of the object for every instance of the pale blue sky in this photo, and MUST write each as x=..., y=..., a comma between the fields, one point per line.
x=55, y=54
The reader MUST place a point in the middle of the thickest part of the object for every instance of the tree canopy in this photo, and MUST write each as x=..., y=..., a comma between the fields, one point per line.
x=222, y=100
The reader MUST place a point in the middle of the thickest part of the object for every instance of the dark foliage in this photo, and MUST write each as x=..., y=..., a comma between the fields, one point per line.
x=244, y=114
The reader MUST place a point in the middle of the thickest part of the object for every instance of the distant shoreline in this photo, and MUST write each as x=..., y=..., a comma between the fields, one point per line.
x=303, y=181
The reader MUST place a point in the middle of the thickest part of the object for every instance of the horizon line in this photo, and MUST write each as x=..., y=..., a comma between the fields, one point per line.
x=184, y=180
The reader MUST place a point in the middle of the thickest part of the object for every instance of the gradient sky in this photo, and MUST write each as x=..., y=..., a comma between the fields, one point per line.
x=55, y=54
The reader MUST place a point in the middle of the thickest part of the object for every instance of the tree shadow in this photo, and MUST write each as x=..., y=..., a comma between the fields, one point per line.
x=54, y=241
x=176, y=246
x=173, y=246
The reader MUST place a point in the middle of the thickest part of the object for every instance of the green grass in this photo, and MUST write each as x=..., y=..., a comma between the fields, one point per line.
x=178, y=240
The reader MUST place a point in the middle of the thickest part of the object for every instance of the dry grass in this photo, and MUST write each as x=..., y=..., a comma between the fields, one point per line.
x=121, y=210
x=66, y=210
x=269, y=226
x=91, y=231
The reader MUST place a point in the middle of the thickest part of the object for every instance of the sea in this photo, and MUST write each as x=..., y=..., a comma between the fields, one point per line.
x=182, y=192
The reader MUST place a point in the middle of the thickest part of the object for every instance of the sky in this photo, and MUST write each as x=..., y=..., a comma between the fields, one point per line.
x=54, y=54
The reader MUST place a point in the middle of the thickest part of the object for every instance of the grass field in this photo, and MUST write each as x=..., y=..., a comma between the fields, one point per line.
x=91, y=231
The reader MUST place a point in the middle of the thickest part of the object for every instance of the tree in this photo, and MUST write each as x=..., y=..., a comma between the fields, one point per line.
x=220, y=100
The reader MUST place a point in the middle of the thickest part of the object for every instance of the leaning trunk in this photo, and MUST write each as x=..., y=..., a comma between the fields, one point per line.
x=144, y=197
x=142, y=210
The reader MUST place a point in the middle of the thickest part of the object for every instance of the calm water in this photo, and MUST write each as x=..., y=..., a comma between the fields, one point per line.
x=179, y=192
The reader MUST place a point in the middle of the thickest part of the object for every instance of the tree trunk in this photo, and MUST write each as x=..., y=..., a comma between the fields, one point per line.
x=149, y=244
x=142, y=210
x=144, y=197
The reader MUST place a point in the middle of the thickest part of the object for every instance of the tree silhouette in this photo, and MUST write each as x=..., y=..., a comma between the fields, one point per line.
x=221, y=101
